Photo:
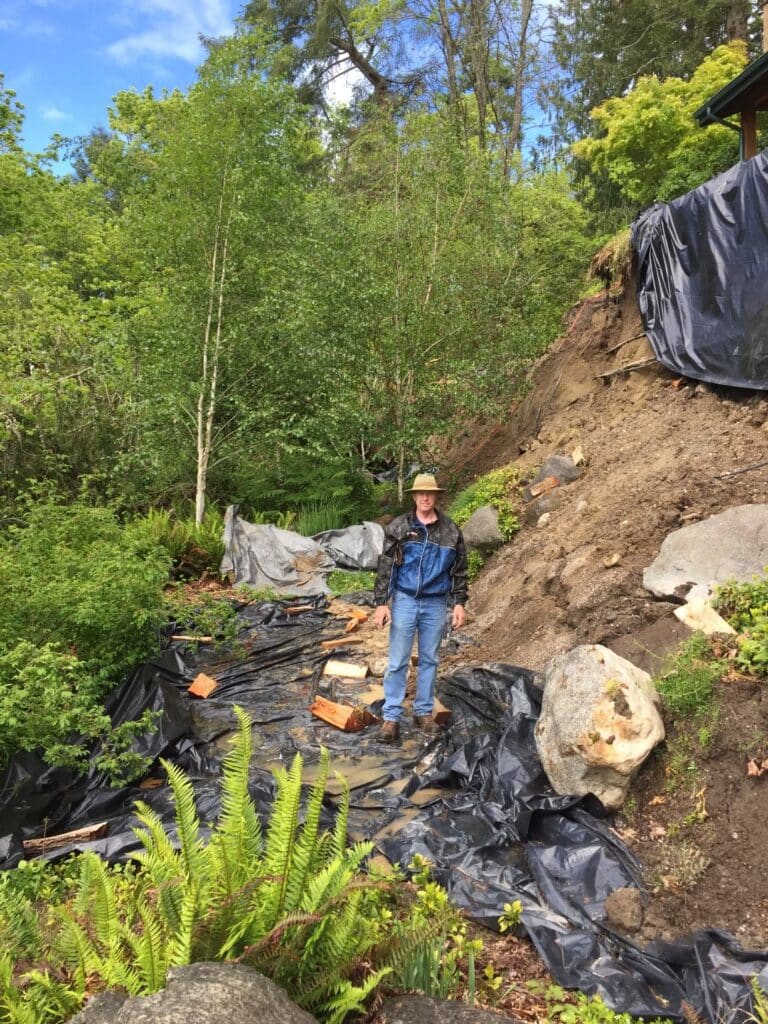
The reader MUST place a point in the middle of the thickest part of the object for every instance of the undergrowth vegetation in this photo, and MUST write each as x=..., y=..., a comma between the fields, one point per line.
x=745, y=606
x=292, y=900
x=81, y=601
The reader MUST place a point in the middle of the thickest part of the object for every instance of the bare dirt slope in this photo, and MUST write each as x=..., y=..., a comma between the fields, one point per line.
x=660, y=452
x=656, y=449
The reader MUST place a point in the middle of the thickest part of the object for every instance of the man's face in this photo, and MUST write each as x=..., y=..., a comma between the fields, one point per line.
x=424, y=501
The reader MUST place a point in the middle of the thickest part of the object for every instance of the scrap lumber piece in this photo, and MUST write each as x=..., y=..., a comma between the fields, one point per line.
x=549, y=483
x=345, y=669
x=202, y=685
x=351, y=626
x=441, y=714
x=298, y=609
x=342, y=716
x=34, y=847
x=193, y=639
x=357, y=614
x=342, y=641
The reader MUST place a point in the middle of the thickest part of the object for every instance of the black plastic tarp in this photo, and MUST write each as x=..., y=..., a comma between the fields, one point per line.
x=474, y=800
x=703, y=278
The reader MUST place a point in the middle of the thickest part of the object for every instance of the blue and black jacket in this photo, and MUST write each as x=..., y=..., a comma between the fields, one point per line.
x=422, y=561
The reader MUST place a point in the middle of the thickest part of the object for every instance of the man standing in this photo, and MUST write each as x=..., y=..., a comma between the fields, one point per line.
x=423, y=564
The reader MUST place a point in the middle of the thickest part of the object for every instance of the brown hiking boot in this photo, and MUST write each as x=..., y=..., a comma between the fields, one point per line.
x=389, y=732
x=427, y=724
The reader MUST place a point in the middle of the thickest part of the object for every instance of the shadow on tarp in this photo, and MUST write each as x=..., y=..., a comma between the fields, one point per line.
x=475, y=801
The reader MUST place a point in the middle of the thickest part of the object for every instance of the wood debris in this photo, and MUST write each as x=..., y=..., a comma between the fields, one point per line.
x=342, y=716
x=202, y=685
x=35, y=847
x=345, y=669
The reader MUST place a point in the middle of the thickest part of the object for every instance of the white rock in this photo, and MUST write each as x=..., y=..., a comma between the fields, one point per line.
x=598, y=723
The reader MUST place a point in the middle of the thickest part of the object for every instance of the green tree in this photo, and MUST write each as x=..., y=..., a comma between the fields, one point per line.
x=213, y=222
x=604, y=47
x=650, y=146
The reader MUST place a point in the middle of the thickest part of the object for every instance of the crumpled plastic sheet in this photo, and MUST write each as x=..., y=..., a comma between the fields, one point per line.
x=493, y=827
x=264, y=556
x=356, y=547
x=703, y=278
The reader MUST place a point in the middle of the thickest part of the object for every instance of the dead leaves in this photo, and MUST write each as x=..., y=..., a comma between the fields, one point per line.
x=755, y=770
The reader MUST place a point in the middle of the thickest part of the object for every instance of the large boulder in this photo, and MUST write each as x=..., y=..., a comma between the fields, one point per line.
x=204, y=993
x=730, y=545
x=598, y=723
x=417, y=1009
x=481, y=531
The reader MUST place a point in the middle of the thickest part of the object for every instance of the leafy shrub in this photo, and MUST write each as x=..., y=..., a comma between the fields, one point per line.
x=745, y=606
x=201, y=613
x=578, y=1008
x=497, y=488
x=688, y=683
x=73, y=578
x=80, y=604
x=192, y=548
x=293, y=903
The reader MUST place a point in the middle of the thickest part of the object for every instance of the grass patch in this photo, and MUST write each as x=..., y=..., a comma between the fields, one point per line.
x=687, y=686
x=344, y=582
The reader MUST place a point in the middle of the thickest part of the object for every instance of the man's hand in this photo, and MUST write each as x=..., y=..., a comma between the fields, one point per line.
x=459, y=616
x=381, y=616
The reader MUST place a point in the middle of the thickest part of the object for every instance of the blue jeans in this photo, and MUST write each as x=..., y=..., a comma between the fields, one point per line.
x=412, y=615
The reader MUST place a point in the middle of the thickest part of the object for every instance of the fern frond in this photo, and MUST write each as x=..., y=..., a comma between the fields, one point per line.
x=328, y=883
x=342, y=818
x=181, y=942
x=237, y=842
x=96, y=898
x=191, y=847
x=351, y=998
x=282, y=833
x=305, y=853
x=151, y=950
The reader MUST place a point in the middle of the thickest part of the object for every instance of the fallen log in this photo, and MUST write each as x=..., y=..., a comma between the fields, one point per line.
x=628, y=368
x=34, y=847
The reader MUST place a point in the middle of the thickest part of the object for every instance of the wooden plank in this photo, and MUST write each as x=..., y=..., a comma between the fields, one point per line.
x=549, y=483
x=342, y=641
x=358, y=614
x=345, y=669
x=34, y=847
x=193, y=639
x=351, y=626
x=441, y=714
x=202, y=685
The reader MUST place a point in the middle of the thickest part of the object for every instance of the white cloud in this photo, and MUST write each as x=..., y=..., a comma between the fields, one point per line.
x=52, y=113
x=170, y=28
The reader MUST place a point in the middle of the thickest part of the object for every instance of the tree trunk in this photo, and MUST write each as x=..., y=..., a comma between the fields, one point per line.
x=516, y=132
x=736, y=20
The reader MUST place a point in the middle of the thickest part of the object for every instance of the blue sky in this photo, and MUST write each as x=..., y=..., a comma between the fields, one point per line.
x=66, y=59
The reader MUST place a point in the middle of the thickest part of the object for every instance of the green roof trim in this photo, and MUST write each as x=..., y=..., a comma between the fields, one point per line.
x=736, y=95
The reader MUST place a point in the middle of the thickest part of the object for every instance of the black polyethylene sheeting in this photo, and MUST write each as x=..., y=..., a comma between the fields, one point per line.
x=494, y=828
x=703, y=278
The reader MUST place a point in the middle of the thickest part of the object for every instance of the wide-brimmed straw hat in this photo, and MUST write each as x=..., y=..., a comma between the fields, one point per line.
x=425, y=482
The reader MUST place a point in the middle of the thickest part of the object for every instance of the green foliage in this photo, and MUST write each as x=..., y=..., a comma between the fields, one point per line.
x=342, y=582
x=193, y=548
x=202, y=613
x=578, y=1008
x=745, y=606
x=475, y=562
x=80, y=603
x=73, y=578
x=291, y=900
x=319, y=516
x=498, y=488
x=649, y=144
x=510, y=919
x=760, y=1012
x=688, y=683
